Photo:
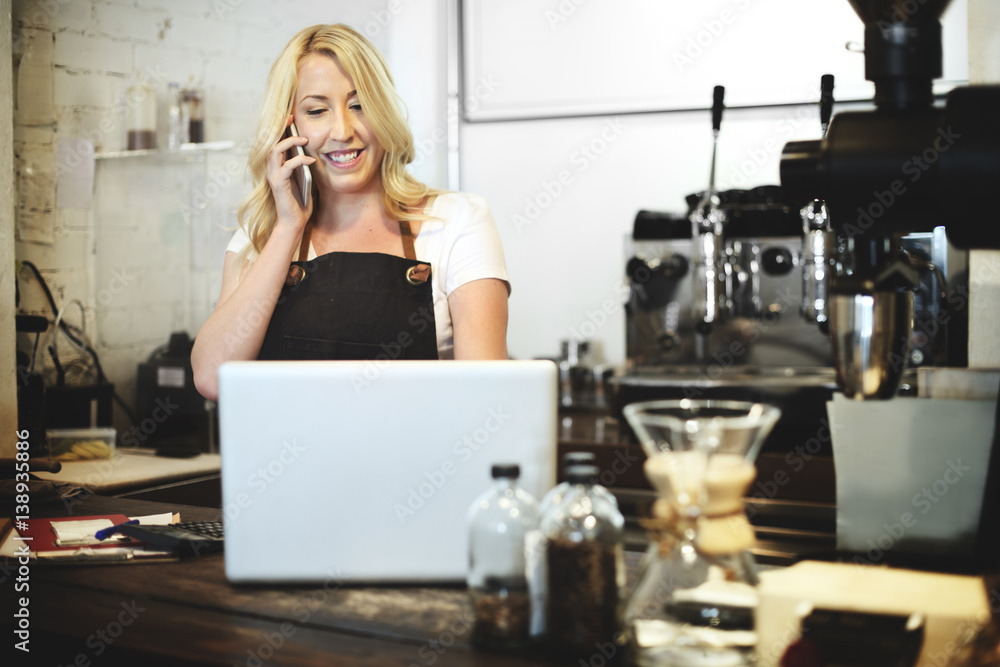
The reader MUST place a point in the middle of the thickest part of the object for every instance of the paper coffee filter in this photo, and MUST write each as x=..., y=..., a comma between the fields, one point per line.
x=678, y=475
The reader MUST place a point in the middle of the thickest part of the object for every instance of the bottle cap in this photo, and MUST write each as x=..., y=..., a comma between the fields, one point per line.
x=582, y=474
x=578, y=458
x=511, y=470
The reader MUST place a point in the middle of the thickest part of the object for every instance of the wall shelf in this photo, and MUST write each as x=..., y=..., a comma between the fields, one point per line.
x=184, y=151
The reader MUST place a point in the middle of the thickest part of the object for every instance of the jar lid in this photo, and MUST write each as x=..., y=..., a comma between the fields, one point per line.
x=582, y=474
x=578, y=458
x=511, y=470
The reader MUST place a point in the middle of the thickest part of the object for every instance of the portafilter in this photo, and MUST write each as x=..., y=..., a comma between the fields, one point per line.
x=871, y=322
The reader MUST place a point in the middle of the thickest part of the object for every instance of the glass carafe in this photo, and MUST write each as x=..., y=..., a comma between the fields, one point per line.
x=695, y=595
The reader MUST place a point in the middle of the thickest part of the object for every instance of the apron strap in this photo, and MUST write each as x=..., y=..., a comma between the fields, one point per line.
x=421, y=273
x=295, y=272
x=295, y=275
x=415, y=275
x=304, y=244
x=407, y=234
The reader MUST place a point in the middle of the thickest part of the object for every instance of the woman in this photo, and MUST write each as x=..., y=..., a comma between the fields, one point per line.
x=376, y=265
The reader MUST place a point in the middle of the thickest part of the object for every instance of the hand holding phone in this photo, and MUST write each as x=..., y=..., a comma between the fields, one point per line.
x=303, y=177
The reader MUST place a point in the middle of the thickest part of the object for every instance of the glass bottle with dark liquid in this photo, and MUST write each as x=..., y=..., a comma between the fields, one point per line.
x=195, y=114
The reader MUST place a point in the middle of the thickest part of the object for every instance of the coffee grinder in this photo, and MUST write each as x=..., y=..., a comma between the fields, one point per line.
x=907, y=166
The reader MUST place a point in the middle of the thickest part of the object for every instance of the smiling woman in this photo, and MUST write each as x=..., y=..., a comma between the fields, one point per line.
x=329, y=114
x=375, y=264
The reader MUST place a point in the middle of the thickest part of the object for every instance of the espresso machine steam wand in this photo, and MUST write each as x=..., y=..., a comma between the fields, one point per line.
x=818, y=239
x=709, y=301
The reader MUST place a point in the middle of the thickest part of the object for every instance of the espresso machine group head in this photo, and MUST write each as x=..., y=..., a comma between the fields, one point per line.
x=907, y=166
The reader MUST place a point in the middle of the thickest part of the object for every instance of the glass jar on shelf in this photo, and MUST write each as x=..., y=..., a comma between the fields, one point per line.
x=193, y=113
x=141, y=118
x=576, y=379
x=176, y=130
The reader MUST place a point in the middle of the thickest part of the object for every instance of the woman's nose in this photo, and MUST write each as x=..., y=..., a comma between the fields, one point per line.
x=340, y=128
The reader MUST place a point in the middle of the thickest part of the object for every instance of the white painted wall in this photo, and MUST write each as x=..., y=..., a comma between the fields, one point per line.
x=416, y=48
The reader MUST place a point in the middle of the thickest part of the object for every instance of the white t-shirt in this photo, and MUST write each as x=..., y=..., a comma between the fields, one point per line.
x=460, y=242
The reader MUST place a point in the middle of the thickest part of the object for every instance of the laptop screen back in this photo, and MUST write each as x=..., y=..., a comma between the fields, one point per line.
x=365, y=471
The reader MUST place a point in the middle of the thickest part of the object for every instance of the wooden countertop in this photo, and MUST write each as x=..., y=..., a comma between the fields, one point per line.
x=187, y=613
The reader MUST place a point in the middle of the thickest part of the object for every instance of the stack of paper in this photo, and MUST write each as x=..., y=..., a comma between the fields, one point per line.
x=74, y=539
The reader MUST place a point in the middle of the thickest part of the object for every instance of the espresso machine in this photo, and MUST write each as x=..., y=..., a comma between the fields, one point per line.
x=755, y=325
x=758, y=347
x=717, y=290
x=731, y=300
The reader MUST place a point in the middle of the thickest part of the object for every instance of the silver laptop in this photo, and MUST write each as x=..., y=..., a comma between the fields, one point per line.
x=365, y=471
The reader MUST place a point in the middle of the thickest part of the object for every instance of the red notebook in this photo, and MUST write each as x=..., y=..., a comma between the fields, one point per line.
x=43, y=537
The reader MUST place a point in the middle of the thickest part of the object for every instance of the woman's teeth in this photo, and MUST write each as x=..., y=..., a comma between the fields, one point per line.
x=344, y=157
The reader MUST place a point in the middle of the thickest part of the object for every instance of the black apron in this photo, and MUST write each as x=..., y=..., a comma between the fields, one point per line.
x=355, y=306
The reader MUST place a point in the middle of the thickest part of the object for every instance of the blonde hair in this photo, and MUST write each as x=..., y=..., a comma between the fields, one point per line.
x=402, y=194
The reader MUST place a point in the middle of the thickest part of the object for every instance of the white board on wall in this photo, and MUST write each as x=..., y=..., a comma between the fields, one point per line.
x=537, y=59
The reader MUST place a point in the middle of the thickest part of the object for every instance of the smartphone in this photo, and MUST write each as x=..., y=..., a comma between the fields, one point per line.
x=303, y=177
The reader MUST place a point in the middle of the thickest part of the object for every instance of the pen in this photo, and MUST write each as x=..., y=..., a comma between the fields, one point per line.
x=105, y=533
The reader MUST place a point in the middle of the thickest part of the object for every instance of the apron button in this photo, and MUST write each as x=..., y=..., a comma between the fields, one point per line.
x=418, y=275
